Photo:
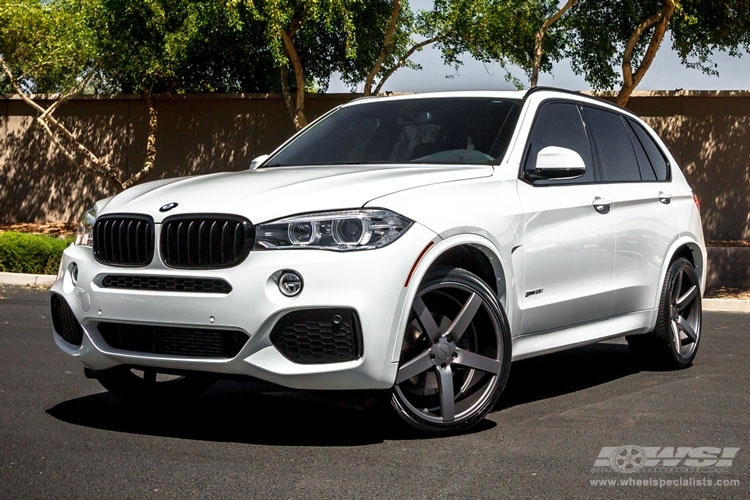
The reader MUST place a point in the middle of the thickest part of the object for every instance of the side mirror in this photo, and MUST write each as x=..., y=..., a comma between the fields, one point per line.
x=554, y=162
x=257, y=161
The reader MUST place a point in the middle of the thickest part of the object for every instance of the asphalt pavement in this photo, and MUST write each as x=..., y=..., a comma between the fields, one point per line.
x=587, y=423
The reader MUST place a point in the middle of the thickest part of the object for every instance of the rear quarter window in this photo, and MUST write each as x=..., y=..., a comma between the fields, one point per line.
x=654, y=166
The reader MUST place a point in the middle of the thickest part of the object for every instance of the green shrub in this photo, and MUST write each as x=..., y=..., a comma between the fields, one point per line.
x=31, y=253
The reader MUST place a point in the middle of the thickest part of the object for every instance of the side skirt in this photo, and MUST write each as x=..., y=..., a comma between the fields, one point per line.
x=528, y=346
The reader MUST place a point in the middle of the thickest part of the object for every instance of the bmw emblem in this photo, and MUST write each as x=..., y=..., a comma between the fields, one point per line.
x=168, y=207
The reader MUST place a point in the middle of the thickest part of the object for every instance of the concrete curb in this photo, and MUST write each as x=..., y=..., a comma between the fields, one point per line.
x=727, y=305
x=27, y=279
x=719, y=305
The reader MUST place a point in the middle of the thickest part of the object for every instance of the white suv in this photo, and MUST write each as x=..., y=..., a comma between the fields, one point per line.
x=414, y=244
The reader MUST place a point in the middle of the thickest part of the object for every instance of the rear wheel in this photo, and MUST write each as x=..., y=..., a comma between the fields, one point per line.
x=455, y=356
x=674, y=341
x=149, y=385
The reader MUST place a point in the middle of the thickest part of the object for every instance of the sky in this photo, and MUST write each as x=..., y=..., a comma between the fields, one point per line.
x=665, y=73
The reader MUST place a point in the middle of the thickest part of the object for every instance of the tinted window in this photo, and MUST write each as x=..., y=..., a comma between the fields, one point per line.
x=451, y=131
x=617, y=158
x=559, y=124
x=647, y=170
x=655, y=167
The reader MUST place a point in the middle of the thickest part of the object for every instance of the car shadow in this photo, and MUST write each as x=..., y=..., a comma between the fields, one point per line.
x=233, y=411
x=566, y=372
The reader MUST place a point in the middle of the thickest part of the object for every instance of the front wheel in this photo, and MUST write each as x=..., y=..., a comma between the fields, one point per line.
x=455, y=357
x=674, y=341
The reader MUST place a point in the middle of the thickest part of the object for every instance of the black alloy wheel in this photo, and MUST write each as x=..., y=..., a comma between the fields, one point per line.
x=455, y=357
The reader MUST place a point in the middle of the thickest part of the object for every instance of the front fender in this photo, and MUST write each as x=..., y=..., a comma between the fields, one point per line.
x=499, y=259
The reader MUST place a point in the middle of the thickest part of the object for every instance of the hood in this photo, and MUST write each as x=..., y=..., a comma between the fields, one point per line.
x=266, y=194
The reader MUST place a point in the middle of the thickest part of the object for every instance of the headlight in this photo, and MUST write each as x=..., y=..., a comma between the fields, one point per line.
x=361, y=229
x=85, y=229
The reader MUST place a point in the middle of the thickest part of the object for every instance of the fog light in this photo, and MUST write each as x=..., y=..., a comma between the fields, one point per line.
x=290, y=283
x=73, y=269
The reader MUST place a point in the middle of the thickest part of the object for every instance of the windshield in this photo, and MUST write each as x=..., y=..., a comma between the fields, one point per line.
x=426, y=130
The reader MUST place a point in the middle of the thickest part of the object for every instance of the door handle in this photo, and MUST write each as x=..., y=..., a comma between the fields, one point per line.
x=665, y=198
x=601, y=205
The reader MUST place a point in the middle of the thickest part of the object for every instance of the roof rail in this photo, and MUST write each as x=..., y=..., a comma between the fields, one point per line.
x=571, y=92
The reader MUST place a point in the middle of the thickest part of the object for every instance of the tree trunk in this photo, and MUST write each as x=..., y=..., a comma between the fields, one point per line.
x=286, y=92
x=298, y=116
x=73, y=149
x=630, y=78
x=150, y=160
x=403, y=61
x=539, y=38
x=386, y=48
x=78, y=154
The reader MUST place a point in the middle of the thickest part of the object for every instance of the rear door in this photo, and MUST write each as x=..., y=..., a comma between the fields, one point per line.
x=645, y=211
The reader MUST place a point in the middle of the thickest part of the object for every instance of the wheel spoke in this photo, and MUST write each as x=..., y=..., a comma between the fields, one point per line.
x=478, y=362
x=687, y=298
x=445, y=383
x=431, y=328
x=414, y=367
x=684, y=325
x=677, y=287
x=676, y=339
x=465, y=317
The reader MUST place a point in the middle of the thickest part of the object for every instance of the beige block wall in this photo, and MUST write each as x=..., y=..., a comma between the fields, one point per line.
x=707, y=132
x=196, y=134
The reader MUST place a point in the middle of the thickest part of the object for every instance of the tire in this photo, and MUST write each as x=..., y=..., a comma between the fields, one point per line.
x=455, y=357
x=674, y=341
x=137, y=385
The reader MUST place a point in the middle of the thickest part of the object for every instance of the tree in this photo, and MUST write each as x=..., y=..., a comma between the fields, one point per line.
x=45, y=44
x=489, y=30
x=384, y=29
x=147, y=47
x=636, y=29
x=366, y=42
x=183, y=46
x=59, y=58
x=388, y=34
x=387, y=49
x=298, y=28
x=522, y=33
x=539, y=39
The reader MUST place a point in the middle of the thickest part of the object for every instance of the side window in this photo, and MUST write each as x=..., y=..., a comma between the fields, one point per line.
x=655, y=166
x=647, y=170
x=559, y=124
x=617, y=158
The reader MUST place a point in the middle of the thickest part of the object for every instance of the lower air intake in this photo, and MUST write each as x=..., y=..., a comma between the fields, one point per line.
x=316, y=336
x=173, y=340
x=65, y=323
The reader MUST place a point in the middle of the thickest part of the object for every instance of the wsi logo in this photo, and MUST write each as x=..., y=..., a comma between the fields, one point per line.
x=633, y=458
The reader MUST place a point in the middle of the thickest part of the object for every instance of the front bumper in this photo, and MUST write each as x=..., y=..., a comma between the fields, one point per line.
x=371, y=284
